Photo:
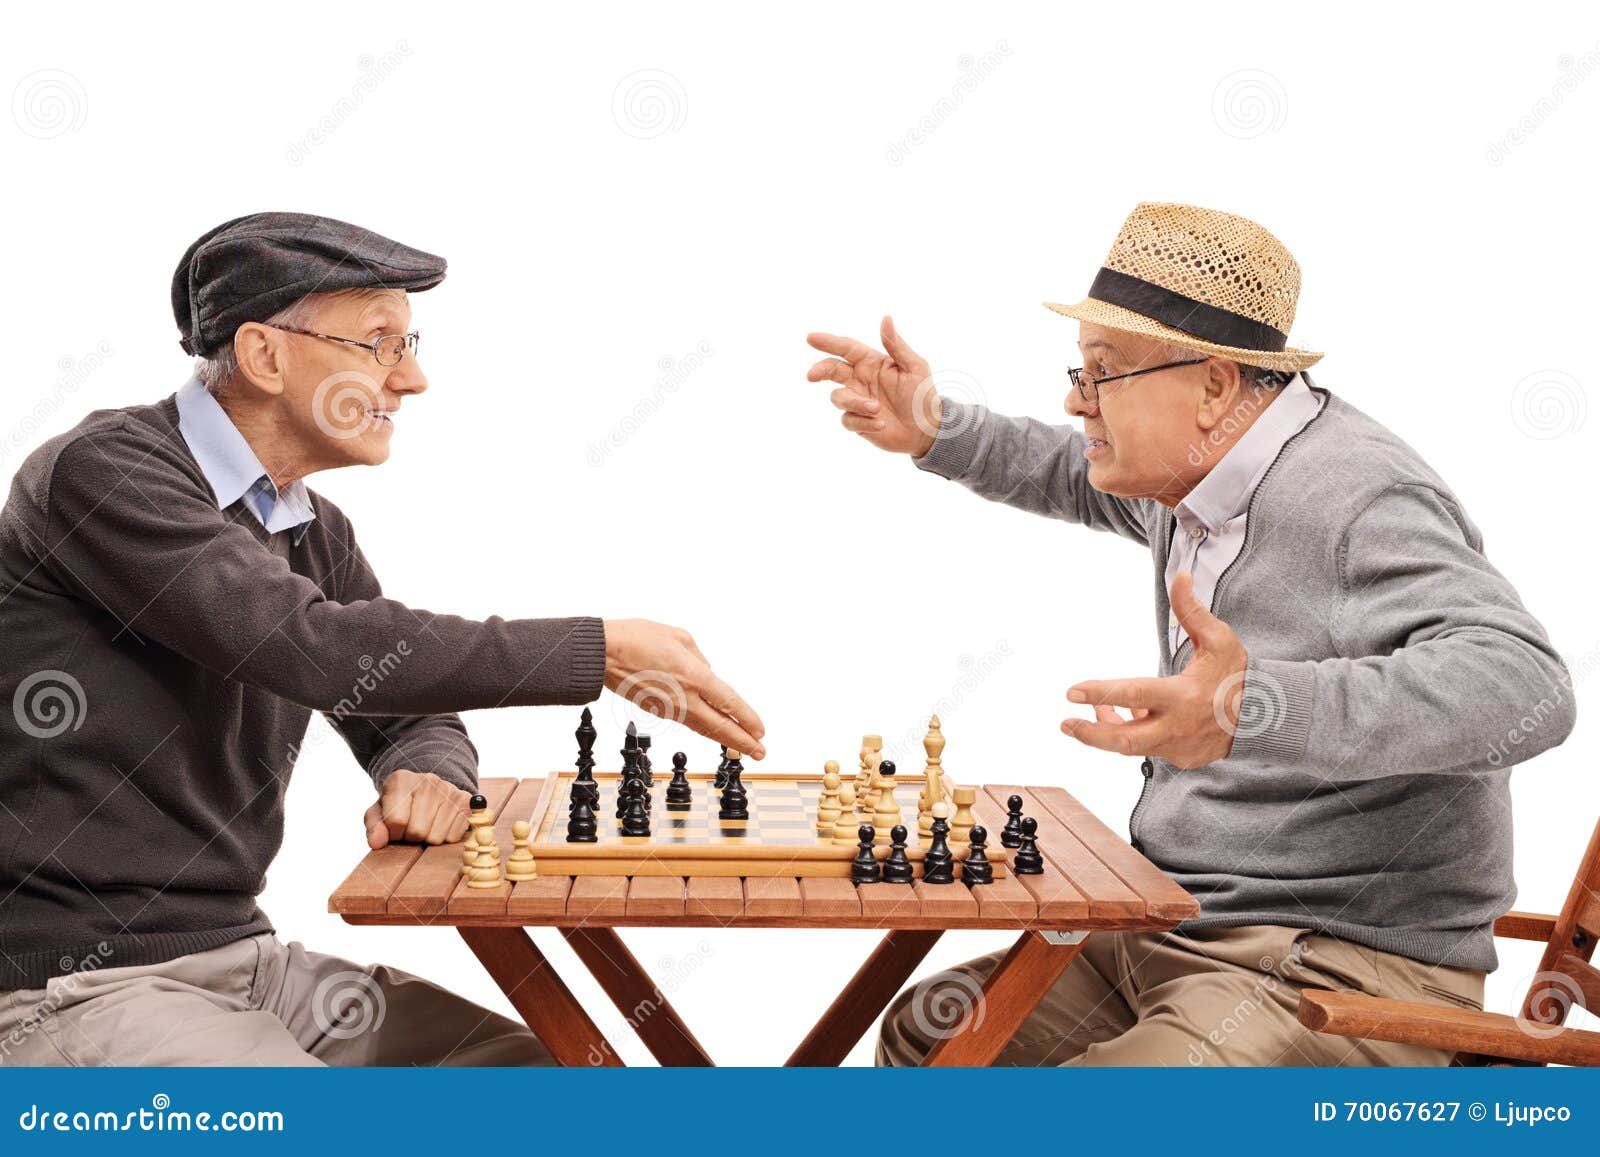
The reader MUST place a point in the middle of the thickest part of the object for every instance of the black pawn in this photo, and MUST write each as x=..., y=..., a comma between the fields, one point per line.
x=1028, y=861
x=581, y=826
x=722, y=770
x=976, y=870
x=477, y=803
x=864, y=868
x=624, y=792
x=897, y=868
x=735, y=802
x=679, y=794
x=635, y=819
x=938, y=862
x=1011, y=834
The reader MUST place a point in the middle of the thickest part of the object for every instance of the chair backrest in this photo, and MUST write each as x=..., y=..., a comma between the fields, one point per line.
x=1565, y=976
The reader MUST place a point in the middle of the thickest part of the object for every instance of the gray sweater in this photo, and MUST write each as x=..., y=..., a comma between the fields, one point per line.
x=1394, y=678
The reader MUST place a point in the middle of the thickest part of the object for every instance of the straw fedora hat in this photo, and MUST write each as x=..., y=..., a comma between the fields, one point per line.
x=1202, y=279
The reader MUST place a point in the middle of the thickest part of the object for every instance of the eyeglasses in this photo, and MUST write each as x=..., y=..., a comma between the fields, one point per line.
x=1089, y=387
x=388, y=348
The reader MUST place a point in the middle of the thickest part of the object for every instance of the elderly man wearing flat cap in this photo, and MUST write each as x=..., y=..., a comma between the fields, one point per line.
x=175, y=603
x=1325, y=753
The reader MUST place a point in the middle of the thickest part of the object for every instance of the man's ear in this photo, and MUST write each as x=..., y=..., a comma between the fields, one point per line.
x=260, y=351
x=1219, y=394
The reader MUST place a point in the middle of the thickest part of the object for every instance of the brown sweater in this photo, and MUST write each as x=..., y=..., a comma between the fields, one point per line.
x=161, y=662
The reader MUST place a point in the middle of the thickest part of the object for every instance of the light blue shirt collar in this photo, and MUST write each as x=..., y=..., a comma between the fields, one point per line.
x=232, y=468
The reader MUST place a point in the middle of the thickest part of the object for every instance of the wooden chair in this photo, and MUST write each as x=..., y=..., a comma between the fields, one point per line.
x=1537, y=1035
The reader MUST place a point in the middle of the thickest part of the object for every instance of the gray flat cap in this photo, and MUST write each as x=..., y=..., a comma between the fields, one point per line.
x=251, y=267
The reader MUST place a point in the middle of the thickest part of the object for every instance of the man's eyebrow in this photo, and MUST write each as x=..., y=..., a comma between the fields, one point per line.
x=1097, y=344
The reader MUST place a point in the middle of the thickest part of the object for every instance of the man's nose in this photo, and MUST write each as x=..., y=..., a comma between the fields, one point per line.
x=1076, y=405
x=407, y=377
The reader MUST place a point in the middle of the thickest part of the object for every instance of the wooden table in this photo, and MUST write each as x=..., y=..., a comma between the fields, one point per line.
x=1093, y=880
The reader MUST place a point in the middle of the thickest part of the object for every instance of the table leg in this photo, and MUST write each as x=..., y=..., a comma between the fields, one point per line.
x=866, y=996
x=637, y=997
x=1013, y=990
x=540, y=996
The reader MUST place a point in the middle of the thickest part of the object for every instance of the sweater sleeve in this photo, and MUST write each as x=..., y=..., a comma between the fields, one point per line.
x=1024, y=463
x=128, y=529
x=436, y=744
x=1446, y=670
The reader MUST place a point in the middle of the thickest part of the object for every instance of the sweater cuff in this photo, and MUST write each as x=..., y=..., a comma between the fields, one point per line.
x=588, y=661
x=453, y=762
x=956, y=443
x=1274, y=712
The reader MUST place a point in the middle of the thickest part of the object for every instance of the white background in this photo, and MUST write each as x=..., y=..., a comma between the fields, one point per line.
x=614, y=187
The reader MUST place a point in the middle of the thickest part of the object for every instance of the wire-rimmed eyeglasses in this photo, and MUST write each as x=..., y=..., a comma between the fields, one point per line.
x=387, y=348
x=1089, y=387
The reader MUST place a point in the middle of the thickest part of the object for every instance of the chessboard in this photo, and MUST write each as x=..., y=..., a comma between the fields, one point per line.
x=779, y=839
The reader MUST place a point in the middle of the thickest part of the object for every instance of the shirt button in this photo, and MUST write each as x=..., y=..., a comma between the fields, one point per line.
x=1198, y=532
x=1147, y=768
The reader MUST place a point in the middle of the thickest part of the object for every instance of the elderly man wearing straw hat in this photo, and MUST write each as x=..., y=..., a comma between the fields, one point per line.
x=1325, y=752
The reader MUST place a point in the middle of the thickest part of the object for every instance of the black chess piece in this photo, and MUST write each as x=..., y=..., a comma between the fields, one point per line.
x=939, y=862
x=644, y=761
x=586, y=735
x=1028, y=861
x=679, y=794
x=581, y=826
x=477, y=803
x=722, y=770
x=635, y=819
x=735, y=801
x=624, y=792
x=1011, y=834
x=864, y=868
x=976, y=870
x=897, y=868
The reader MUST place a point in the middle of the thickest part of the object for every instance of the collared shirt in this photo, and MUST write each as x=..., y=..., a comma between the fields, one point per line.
x=232, y=468
x=1211, y=519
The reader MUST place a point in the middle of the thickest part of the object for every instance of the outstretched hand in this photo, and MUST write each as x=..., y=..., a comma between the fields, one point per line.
x=1187, y=719
x=659, y=669
x=888, y=398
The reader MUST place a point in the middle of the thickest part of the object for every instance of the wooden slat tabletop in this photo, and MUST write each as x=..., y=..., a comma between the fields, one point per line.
x=1092, y=879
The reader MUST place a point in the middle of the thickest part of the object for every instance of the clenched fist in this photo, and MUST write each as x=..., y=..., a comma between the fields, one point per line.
x=417, y=808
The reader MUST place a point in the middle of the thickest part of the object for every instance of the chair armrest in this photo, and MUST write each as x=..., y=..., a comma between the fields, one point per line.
x=1444, y=1026
x=1525, y=926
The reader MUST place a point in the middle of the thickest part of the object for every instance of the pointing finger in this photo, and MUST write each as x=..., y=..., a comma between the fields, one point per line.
x=1144, y=692
x=896, y=345
x=726, y=700
x=847, y=348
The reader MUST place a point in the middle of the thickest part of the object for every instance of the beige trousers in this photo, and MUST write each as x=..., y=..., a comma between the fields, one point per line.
x=1222, y=996
x=255, y=1002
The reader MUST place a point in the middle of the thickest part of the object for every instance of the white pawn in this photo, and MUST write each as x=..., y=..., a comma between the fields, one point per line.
x=522, y=865
x=828, y=804
x=844, y=828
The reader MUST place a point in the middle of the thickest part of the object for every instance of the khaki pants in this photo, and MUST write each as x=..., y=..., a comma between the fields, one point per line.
x=255, y=1002
x=1221, y=996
